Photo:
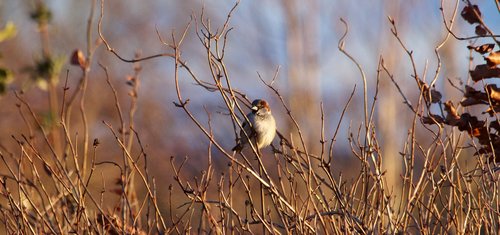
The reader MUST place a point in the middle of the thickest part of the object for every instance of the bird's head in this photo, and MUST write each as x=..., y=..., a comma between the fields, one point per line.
x=260, y=107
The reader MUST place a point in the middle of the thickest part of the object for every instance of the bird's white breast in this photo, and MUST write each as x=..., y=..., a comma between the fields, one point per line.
x=265, y=128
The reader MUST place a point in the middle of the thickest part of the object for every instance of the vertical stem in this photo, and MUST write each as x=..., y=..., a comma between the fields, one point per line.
x=231, y=223
x=54, y=134
x=262, y=198
x=84, y=89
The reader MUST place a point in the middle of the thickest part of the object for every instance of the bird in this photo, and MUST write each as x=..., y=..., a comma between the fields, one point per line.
x=262, y=127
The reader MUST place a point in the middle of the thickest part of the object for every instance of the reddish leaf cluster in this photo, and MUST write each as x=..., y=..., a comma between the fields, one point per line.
x=490, y=69
x=487, y=134
x=472, y=15
x=473, y=96
x=473, y=126
x=491, y=94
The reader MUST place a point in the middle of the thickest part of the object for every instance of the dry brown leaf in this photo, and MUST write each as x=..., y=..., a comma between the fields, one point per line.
x=452, y=117
x=493, y=59
x=480, y=31
x=432, y=119
x=450, y=109
x=471, y=14
x=481, y=133
x=472, y=125
x=483, y=71
x=470, y=91
x=473, y=97
x=483, y=49
x=495, y=125
x=483, y=140
x=78, y=58
x=471, y=101
x=492, y=111
x=494, y=92
x=487, y=150
x=436, y=96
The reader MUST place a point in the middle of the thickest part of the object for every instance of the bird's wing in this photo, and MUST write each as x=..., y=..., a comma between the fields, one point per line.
x=243, y=138
x=248, y=129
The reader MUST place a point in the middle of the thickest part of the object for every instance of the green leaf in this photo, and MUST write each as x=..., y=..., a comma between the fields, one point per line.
x=48, y=119
x=41, y=14
x=59, y=63
x=6, y=77
x=46, y=71
x=9, y=31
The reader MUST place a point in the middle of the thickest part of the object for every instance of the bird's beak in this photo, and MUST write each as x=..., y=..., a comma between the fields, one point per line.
x=254, y=108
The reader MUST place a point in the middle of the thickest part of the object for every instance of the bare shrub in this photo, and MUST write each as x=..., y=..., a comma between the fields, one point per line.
x=51, y=178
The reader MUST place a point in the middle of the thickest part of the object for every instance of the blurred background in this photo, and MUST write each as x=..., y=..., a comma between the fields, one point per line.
x=299, y=37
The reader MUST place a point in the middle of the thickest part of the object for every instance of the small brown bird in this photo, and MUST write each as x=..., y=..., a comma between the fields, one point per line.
x=262, y=128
